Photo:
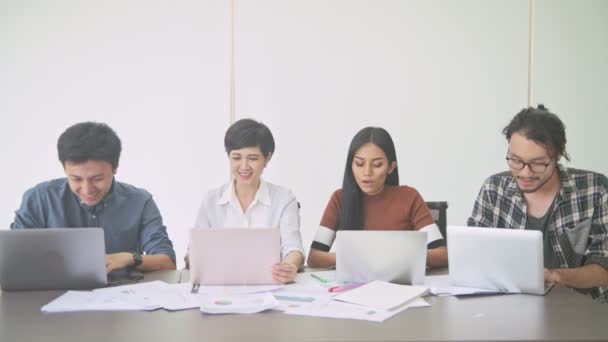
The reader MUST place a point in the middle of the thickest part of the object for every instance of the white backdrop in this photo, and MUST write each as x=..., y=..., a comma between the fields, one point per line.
x=443, y=77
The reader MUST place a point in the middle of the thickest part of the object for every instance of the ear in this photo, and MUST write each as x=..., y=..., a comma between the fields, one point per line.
x=392, y=167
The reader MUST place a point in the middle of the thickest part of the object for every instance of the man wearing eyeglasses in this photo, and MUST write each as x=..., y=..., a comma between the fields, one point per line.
x=569, y=206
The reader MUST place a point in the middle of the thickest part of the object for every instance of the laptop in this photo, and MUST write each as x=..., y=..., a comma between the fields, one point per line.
x=504, y=260
x=234, y=256
x=56, y=258
x=393, y=256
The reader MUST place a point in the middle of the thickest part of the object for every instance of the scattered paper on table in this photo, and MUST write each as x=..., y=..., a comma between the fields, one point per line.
x=238, y=303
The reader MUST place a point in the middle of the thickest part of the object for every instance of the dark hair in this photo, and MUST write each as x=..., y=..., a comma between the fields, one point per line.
x=89, y=141
x=249, y=133
x=351, y=212
x=541, y=126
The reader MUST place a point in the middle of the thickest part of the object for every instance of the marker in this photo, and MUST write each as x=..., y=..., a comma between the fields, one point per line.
x=295, y=298
x=324, y=281
x=348, y=286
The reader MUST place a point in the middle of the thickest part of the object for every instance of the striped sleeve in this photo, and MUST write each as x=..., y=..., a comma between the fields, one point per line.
x=422, y=220
x=326, y=233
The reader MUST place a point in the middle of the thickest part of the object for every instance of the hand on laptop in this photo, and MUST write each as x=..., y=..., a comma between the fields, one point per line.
x=284, y=272
x=552, y=276
x=118, y=260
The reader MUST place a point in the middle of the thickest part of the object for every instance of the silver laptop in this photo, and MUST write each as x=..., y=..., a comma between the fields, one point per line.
x=394, y=256
x=55, y=258
x=504, y=260
x=234, y=256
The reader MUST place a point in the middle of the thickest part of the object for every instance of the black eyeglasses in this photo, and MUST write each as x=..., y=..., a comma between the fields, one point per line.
x=535, y=167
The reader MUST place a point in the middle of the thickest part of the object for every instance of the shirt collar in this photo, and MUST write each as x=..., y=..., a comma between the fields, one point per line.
x=229, y=194
x=105, y=201
x=568, y=184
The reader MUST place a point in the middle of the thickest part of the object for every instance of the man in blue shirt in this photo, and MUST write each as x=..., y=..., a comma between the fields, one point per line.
x=89, y=196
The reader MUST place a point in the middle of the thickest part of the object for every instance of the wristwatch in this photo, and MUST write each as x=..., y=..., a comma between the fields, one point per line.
x=136, y=259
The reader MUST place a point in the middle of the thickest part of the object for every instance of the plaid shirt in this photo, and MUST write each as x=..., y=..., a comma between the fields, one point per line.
x=578, y=227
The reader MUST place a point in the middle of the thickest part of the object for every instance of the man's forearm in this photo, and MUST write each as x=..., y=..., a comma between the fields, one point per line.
x=583, y=277
x=156, y=262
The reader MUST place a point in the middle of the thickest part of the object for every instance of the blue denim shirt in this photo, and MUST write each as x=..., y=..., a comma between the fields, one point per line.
x=122, y=213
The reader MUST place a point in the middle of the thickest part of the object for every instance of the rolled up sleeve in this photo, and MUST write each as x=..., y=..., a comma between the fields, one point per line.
x=154, y=237
x=291, y=239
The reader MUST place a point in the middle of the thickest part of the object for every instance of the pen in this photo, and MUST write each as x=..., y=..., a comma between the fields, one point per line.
x=348, y=286
x=324, y=281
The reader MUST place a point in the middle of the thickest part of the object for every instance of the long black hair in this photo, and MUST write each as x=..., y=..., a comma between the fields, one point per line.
x=351, y=211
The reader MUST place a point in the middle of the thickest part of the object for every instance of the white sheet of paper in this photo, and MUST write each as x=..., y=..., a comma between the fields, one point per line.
x=335, y=309
x=179, y=297
x=236, y=289
x=144, y=296
x=289, y=299
x=74, y=301
x=442, y=286
x=238, y=303
x=382, y=295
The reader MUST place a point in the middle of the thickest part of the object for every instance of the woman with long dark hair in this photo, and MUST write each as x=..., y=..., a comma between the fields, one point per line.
x=372, y=199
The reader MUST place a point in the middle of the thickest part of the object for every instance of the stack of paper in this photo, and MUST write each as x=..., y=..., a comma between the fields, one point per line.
x=441, y=285
x=336, y=309
x=382, y=295
x=144, y=296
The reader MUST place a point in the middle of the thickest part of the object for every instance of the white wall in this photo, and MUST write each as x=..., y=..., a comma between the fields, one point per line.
x=443, y=77
x=571, y=74
x=157, y=72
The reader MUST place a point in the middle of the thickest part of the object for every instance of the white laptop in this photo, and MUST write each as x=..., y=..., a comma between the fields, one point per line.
x=53, y=258
x=234, y=256
x=504, y=260
x=394, y=256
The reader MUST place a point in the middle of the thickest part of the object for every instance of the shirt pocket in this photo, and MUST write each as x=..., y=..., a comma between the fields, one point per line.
x=578, y=236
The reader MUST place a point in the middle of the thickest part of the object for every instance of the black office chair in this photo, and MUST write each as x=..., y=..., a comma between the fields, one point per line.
x=439, y=212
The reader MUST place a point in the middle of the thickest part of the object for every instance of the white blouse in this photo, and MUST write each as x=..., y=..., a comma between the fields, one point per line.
x=272, y=207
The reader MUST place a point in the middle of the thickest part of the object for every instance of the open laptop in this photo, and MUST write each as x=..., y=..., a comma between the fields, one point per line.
x=56, y=258
x=505, y=260
x=234, y=256
x=394, y=256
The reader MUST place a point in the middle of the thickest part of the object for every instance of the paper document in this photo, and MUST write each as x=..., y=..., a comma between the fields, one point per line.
x=382, y=295
x=239, y=303
x=144, y=296
x=73, y=301
x=335, y=309
x=236, y=289
x=442, y=286
x=299, y=299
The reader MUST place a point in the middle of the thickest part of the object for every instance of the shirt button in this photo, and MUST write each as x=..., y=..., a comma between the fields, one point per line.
x=94, y=217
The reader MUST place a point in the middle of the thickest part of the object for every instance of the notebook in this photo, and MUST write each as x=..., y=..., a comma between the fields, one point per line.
x=54, y=258
x=234, y=256
x=504, y=260
x=393, y=256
